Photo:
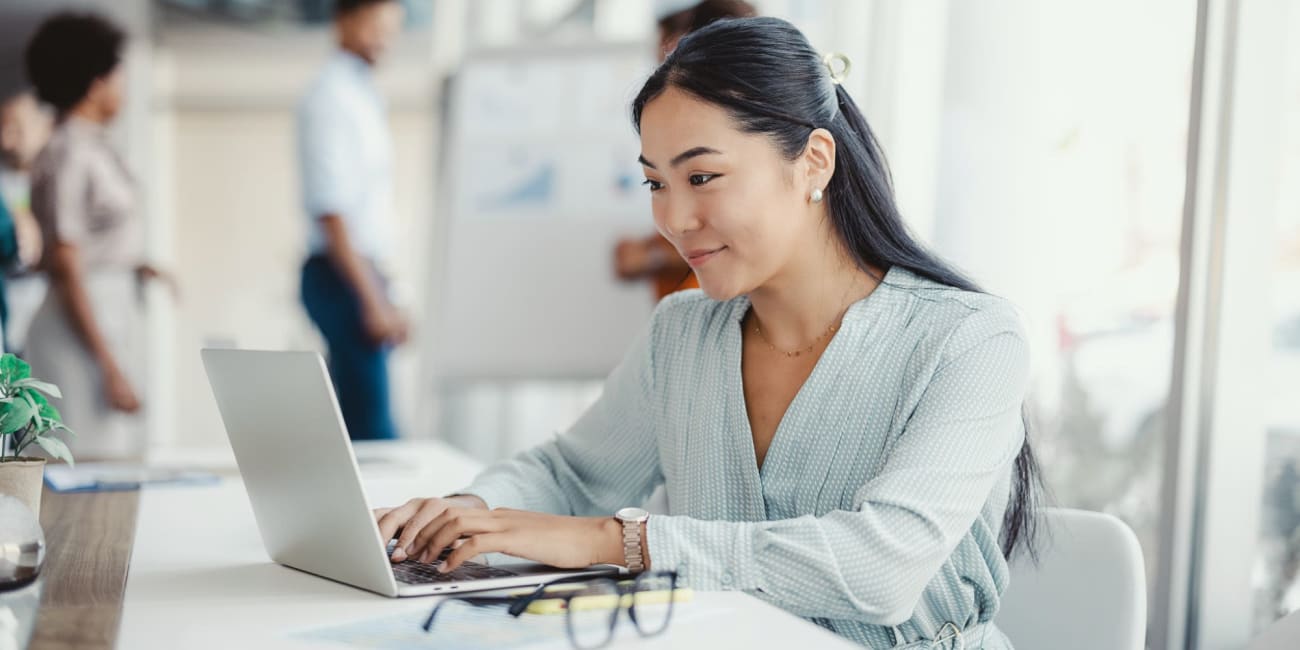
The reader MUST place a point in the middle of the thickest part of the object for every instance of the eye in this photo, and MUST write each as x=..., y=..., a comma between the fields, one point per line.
x=654, y=186
x=701, y=179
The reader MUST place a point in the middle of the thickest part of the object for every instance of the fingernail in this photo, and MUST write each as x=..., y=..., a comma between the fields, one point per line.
x=442, y=567
x=399, y=554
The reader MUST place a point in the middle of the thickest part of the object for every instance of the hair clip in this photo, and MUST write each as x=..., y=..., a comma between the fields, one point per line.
x=844, y=65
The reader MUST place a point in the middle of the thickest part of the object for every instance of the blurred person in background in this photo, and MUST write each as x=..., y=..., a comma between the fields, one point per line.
x=24, y=130
x=84, y=336
x=8, y=256
x=346, y=165
x=652, y=258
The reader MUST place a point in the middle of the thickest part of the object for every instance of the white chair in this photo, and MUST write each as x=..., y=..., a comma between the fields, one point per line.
x=1087, y=591
x=1281, y=635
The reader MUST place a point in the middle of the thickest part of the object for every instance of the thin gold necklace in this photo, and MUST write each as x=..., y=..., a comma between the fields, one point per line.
x=835, y=326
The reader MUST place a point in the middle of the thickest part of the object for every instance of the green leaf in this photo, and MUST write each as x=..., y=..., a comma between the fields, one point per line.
x=40, y=406
x=15, y=415
x=36, y=422
x=35, y=396
x=51, y=415
x=55, y=447
x=38, y=385
x=13, y=369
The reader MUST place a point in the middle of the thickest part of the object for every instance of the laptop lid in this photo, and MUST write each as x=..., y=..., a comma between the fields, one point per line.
x=298, y=466
x=302, y=478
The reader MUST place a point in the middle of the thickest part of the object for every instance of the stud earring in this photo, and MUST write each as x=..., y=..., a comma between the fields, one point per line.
x=817, y=196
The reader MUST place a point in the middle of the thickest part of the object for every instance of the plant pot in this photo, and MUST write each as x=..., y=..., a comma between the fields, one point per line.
x=22, y=477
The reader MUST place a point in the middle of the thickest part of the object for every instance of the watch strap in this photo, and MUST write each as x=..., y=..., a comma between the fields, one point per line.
x=632, y=557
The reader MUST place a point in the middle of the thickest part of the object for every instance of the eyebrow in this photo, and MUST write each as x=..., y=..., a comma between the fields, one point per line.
x=681, y=157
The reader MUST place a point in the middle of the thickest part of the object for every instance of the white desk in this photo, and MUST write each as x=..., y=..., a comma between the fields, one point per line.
x=199, y=577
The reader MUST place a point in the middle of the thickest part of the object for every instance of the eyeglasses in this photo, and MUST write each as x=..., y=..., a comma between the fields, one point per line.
x=591, y=605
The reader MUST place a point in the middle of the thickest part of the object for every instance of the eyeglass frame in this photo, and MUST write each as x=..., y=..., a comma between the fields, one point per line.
x=519, y=604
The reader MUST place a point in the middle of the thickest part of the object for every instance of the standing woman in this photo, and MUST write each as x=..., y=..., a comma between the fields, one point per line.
x=836, y=416
x=83, y=335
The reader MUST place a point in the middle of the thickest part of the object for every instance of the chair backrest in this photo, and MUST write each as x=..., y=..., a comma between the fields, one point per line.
x=1087, y=590
x=1281, y=635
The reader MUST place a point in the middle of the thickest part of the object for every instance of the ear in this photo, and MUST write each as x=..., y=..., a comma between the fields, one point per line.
x=819, y=159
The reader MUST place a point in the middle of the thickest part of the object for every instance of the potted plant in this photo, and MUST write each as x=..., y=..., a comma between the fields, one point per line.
x=26, y=418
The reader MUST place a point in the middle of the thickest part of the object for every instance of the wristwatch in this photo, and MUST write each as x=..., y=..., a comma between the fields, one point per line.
x=632, y=518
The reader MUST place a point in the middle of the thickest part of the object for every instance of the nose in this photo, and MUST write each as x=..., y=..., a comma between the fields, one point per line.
x=677, y=215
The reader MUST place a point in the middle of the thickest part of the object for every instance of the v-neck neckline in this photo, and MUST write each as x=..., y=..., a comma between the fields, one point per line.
x=775, y=447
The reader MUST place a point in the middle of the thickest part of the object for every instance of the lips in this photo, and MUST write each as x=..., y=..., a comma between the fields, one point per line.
x=701, y=256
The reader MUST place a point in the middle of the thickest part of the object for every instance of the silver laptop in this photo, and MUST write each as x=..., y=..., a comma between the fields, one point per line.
x=301, y=475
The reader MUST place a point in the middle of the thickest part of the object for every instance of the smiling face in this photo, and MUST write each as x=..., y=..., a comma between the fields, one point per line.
x=732, y=205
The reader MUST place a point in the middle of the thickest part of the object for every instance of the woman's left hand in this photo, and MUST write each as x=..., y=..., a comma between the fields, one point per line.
x=557, y=540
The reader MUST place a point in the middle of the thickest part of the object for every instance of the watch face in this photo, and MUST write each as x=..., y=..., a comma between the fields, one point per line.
x=632, y=514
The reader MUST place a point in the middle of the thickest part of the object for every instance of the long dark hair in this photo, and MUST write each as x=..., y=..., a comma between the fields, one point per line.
x=766, y=75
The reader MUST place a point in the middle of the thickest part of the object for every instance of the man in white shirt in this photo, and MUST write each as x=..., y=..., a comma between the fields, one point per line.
x=345, y=158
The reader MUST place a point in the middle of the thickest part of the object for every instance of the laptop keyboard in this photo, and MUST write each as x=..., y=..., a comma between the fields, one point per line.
x=416, y=573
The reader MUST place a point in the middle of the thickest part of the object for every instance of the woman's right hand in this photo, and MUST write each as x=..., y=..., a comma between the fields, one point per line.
x=117, y=388
x=411, y=517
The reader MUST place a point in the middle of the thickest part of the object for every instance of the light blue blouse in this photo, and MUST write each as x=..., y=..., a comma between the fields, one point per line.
x=879, y=506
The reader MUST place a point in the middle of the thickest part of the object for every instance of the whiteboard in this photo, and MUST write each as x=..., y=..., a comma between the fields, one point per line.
x=539, y=180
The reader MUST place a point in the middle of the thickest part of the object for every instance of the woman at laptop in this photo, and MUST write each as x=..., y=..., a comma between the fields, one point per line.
x=835, y=416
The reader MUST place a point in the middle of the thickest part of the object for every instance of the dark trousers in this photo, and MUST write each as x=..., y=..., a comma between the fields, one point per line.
x=358, y=367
